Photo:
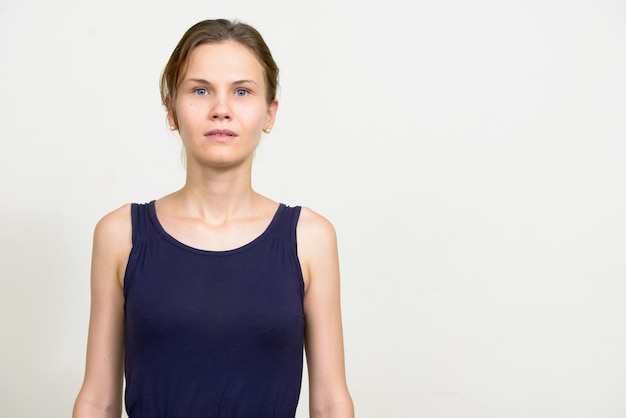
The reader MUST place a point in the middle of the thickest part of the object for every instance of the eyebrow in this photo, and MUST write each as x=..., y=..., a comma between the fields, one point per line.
x=203, y=81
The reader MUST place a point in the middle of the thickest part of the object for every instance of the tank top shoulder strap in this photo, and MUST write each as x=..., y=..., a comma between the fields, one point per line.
x=142, y=224
x=284, y=225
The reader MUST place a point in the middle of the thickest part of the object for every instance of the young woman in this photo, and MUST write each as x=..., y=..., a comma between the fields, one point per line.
x=205, y=299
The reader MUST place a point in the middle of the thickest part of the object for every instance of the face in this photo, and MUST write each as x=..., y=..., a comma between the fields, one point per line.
x=220, y=107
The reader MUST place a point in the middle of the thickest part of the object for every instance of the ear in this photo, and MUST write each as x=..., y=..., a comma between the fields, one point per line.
x=172, y=120
x=271, y=116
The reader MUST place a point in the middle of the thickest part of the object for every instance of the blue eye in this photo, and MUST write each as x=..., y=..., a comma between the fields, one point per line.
x=241, y=92
x=201, y=92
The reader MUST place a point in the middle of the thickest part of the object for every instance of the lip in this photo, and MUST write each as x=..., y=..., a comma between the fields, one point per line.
x=221, y=135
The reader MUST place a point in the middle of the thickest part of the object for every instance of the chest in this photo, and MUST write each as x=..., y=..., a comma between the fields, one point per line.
x=253, y=295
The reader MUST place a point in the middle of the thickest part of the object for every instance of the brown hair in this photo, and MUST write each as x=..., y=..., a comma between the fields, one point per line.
x=214, y=31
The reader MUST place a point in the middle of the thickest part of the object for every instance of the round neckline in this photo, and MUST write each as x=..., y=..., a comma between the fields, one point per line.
x=155, y=220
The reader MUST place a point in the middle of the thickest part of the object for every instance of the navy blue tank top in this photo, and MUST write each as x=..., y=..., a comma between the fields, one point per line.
x=213, y=334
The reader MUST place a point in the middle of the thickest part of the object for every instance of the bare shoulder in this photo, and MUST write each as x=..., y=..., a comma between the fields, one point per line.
x=313, y=226
x=112, y=243
x=115, y=225
x=317, y=247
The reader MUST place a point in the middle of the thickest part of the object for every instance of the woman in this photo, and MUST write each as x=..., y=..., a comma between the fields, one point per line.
x=205, y=298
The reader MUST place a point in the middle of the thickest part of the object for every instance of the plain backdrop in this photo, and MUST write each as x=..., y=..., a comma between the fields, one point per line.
x=471, y=156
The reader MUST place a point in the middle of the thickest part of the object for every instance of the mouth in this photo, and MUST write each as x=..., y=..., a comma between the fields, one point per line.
x=220, y=135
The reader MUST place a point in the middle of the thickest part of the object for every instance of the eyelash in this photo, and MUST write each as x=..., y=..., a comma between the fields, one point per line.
x=201, y=91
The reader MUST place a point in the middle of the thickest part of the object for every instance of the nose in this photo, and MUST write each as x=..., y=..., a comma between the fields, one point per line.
x=220, y=108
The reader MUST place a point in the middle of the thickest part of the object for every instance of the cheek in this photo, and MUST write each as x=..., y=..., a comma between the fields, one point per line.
x=254, y=115
x=187, y=113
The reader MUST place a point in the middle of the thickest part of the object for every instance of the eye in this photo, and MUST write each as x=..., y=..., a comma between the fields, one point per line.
x=241, y=92
x=201, y=91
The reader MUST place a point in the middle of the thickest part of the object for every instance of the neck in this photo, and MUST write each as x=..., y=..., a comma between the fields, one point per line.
x=218, y=194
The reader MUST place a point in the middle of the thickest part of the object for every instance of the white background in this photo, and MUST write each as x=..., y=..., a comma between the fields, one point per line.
x=470, y=154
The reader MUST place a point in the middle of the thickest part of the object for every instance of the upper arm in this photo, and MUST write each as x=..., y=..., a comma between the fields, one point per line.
x=102, y=385
x=317, y=249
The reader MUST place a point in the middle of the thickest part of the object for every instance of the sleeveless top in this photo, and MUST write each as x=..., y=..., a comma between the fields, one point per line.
x=213, y=334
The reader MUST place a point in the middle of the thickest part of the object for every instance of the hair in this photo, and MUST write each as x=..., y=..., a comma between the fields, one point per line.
x=215, y=31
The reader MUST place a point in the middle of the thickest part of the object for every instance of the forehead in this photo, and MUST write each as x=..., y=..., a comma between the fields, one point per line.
x=223, y=60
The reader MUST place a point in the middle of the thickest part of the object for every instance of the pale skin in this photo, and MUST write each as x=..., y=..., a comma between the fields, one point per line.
x=220, y=110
